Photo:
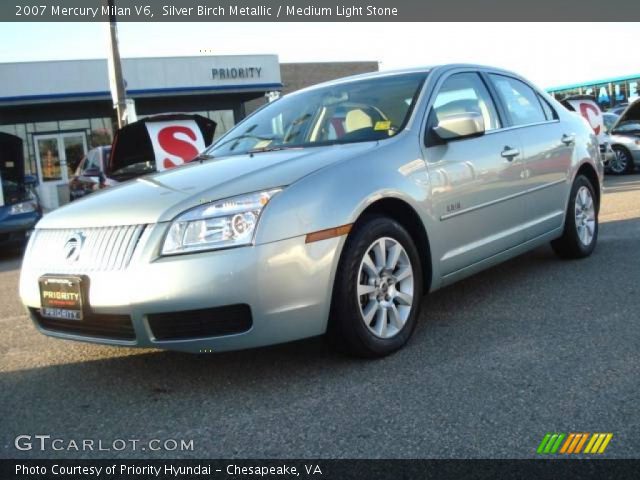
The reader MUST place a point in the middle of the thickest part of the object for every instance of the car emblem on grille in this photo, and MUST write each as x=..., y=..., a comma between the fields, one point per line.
x=72, y=247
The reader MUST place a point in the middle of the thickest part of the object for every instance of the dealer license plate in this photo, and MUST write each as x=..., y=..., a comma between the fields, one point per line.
x=61, y=297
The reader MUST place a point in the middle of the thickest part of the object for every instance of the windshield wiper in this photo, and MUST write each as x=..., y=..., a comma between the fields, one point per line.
x=275, y=148
x=241, y=137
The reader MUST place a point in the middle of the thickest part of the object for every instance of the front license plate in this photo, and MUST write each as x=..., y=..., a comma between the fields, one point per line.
x=61, y=297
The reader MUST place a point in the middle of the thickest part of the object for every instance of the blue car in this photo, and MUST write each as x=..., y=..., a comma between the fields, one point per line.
x=19, y=206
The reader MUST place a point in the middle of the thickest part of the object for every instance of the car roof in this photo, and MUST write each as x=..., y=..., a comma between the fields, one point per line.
x=406, y=71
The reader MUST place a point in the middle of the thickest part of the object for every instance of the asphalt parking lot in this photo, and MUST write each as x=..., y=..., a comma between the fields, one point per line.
x=533, y=346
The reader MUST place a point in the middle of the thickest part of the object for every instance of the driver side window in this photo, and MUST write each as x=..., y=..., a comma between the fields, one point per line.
x=462, y=93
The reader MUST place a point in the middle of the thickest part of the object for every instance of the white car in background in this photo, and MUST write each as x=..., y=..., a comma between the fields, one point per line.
x=625, y=140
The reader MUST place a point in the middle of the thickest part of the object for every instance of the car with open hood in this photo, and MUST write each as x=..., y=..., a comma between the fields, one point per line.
x=330, y=211
x=19, y=206
x=151, y=144
x=625, y=140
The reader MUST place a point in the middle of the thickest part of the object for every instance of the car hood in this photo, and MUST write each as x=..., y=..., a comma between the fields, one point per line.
x=631, y=113
x=162, y=196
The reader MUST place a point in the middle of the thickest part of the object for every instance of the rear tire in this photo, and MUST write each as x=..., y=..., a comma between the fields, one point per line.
x=581, y=223
x=377, y=291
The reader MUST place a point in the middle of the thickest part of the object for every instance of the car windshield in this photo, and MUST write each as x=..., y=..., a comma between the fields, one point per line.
x=354, y=111
x=628, y=126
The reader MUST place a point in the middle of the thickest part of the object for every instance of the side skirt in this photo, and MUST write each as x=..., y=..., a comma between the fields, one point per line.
x=501, y=257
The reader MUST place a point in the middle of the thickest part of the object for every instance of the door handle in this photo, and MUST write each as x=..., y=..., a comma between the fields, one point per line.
x=568, y=139
x=510, y=153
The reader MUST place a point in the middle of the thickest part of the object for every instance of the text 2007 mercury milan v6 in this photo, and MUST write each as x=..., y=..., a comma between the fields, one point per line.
x=330, y=211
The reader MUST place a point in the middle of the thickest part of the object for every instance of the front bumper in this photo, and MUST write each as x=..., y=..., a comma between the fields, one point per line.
x=286, y=284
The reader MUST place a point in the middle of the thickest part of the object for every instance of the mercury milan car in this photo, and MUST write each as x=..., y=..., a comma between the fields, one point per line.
x=330, y=211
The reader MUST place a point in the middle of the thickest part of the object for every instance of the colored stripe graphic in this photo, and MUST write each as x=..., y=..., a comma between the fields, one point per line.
x=565, y=447
x=543, y=443
x=550, y=443
x=598, y=443
x=553, y=443
x=582, y=441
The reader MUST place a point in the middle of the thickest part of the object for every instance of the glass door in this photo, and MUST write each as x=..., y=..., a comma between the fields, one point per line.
x=57, y=155
x=48, y=155
x=74, y=146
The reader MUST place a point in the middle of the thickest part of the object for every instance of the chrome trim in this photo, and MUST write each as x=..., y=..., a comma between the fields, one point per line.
x=499, y=200
x=516, y=127
x=103, y=249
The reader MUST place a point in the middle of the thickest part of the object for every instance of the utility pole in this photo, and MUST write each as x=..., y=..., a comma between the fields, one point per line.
x=116, y=82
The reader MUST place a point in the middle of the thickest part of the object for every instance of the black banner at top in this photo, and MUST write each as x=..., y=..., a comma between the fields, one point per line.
x=317, y=10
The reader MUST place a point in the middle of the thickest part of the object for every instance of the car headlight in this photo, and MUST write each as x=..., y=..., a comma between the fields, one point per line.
x=221, y=224
x=23, y=207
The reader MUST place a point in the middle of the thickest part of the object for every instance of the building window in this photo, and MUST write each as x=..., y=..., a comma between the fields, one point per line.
x=98, y=131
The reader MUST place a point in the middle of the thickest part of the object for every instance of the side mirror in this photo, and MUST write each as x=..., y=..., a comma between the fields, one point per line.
x=460, y=125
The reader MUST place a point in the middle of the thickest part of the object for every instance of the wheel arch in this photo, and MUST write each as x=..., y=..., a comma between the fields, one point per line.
x=405, y=215
x=589, y=171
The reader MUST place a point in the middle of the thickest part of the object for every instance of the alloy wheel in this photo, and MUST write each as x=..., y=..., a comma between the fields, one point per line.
x=585, y=216
x=618, y=164
x=385, y=287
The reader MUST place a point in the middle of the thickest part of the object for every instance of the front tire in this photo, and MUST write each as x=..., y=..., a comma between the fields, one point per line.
x=622, y=163
x=377, y=291
x=581, y=223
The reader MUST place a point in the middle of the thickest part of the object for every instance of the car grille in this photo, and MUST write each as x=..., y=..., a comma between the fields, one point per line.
x=116, y=327
x=103, y=249
x=209, y=322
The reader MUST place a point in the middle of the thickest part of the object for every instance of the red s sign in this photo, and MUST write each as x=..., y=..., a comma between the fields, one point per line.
x=175, y=142
x=174, y=145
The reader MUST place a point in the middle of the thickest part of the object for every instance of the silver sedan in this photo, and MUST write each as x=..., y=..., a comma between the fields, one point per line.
x=330, y=211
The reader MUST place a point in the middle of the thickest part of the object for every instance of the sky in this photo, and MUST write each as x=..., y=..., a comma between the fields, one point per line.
x=549, y=54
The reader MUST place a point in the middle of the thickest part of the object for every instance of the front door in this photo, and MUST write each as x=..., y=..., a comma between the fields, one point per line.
x=476, y=182
x=57, y=157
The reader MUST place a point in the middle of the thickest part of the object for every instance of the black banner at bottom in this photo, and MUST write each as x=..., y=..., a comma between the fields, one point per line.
x=317, y=469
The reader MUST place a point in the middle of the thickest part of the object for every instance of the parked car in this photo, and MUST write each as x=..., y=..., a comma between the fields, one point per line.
x=89, y=176
x=332, y=210
x=19, y=206
x=625, y=140
x=151, y=144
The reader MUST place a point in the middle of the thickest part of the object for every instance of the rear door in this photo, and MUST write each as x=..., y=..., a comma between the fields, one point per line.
x=547, y=147
x=475, y=182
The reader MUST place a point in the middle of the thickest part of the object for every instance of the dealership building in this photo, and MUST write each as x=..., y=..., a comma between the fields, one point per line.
x=609, y=92
x=61, y=109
